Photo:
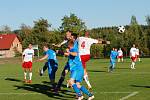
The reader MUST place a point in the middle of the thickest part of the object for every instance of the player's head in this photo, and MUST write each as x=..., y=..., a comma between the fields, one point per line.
x=134, y=45
x=74, y=36
x=45, y=47
x=30, y=46
x=119, y=48
x=68, y=34
x=70, y=44
x=87, y=34
x=115, y=49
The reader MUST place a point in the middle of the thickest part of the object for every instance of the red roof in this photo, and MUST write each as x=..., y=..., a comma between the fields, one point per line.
x=6, y=40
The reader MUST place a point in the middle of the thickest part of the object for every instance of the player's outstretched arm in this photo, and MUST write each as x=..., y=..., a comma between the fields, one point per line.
x=43, y=58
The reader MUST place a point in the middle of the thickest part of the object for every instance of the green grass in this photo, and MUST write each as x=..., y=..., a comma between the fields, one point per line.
x=106, y=86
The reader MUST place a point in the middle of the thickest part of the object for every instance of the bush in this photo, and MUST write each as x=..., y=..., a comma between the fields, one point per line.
x=97, y=51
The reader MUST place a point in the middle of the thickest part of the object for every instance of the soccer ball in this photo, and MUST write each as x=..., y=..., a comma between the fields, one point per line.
x=121, y=29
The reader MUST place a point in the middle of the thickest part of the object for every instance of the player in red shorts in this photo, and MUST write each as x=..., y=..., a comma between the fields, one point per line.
x=27, y=57
x=120, y=55
x=138, y=54
x=84, y=44
x=133, y=56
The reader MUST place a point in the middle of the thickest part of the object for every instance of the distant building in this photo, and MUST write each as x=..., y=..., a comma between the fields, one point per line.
x=9, y=45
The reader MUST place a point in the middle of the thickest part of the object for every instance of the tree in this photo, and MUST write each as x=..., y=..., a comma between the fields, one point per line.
x=5, y=29
x=72, y=23
x=148, y=20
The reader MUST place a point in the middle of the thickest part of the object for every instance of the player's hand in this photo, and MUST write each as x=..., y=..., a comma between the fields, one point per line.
x=67, y=50
x=66, y=53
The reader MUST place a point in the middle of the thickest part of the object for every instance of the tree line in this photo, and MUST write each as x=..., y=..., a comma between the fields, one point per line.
x=42, y=33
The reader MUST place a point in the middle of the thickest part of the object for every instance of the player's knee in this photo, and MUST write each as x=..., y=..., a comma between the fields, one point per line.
x=78, y=85
x=71, y=82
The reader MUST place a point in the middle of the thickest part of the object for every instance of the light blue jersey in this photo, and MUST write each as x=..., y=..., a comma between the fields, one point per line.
x=51, y=55
x=74, y=61
x=75, y=66
x=114, y=54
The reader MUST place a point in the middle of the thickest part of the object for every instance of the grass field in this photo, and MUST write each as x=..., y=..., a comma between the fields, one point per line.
x=123, y=84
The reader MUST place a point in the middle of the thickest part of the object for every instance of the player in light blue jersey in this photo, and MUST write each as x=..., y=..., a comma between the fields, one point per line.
x=69, y=36
x=77, y=72
x=51, y=64
x=113, y=57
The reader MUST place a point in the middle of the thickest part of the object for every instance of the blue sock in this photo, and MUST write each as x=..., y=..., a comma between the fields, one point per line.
x=85, y=91
x=77, y=90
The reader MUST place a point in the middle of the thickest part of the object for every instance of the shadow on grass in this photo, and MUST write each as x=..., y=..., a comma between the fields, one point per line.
x=143, y=86
x=12, y=79
x=45, y=89
x=96, y=71
x=66, y=92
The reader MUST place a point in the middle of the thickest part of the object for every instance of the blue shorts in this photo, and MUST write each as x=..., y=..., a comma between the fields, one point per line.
x=77, y=75
x=113, y=61
x=52, y=68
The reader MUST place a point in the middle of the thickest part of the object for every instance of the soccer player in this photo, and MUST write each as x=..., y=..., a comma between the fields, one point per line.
x=133, y=57
x=113, y=57
x=84, y=44
x=138, y=54
x=51, y=64
x=120, y=55
x=77, y=72
x=27, y=57
x=69, y=36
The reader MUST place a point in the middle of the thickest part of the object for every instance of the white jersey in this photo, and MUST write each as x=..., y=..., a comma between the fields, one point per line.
x=28, y=54
x=120, y=53
x=137, y=52
x=84, y=45
x=133, y=52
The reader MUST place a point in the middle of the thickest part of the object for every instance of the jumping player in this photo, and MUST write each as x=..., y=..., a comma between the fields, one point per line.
x=51, y=64
x=27, y=57
x=113, y=57
x=84, y=52
x=77, y=72
x=120, y=55
x=133, y=56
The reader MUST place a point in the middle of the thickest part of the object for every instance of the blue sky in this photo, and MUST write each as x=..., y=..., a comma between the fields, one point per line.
x=95, y=13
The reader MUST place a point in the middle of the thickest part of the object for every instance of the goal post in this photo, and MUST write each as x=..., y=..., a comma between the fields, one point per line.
x=35, y=47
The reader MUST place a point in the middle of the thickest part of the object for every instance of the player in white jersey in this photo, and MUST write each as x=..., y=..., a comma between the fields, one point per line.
x=133, y=56
x=120, y=55
x=138, y=53
x=27, y=57
x=84, y=44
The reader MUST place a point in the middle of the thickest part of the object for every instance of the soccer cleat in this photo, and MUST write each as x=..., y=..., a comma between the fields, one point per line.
x=91, y=98
x=25, y=81
x=80, y=98
x=41, y=72
x=30, y=81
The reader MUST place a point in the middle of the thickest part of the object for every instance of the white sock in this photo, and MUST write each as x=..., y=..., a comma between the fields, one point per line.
x=30, y=76
x=133, y=63
x=87, y=81
x=25, y=75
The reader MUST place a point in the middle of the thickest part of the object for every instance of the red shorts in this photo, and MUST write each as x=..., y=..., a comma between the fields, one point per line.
x=133, y=58
x=84, y=59
x=137, y=56
x=120, y=57
x=27, y=64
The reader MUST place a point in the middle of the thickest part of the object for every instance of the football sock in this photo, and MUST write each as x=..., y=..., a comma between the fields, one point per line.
x=77, y=90
x=85, y=91
x=30, y=76
x=25, y=75
x=61, y=80
x=87, y=81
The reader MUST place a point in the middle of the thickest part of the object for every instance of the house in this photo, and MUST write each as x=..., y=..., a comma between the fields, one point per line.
x=9, y=45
